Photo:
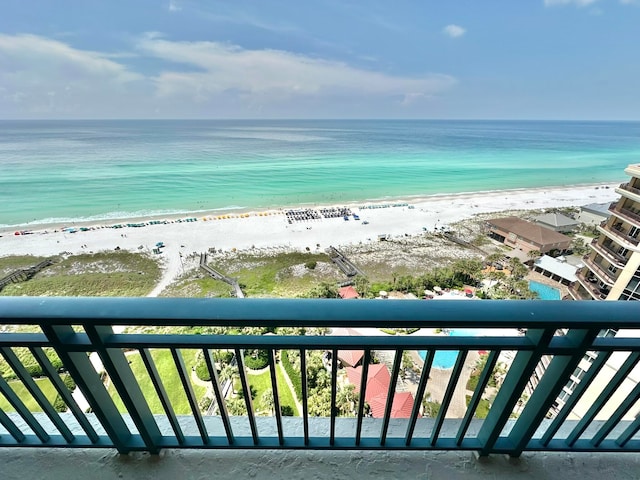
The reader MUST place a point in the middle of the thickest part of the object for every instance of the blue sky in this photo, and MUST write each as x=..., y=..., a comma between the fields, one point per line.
x=524, y=59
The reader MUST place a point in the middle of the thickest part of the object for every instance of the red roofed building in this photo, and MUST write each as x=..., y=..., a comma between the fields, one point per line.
x=350, y=358
x=348, y=292
x=378, y=381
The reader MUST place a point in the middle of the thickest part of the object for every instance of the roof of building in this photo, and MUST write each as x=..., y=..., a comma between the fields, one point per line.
x=557, y=267
x=350, y=357
x=556, y=220
x=348, y=292
x=597, y=208
x=378, y=380
x=529, y=231
x=401, y=408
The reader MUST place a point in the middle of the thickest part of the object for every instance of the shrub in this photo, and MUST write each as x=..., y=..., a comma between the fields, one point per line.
x=286, y=410
x=311, y=265
x=223, y=357
x=202, y=371
x=205, y=403
x=69, y=382
x=256, y=359
x=59, y=405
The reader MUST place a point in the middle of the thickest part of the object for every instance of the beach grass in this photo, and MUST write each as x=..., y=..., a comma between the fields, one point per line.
x=282, y=274
x=285, y=274
x=169, y=375
x=17, y=262
x=189, y=287
x=44, y=384
x=104, y=274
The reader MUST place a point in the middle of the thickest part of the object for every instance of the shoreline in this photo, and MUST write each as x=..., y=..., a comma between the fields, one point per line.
x=106, y=222
x=271, y=230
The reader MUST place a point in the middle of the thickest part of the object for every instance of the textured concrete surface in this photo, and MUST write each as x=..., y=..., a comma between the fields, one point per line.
x=22, y=463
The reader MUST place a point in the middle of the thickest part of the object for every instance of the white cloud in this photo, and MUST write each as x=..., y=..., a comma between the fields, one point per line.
x=579, y=3
x=45, y=78
x=454, y=31
x=274, y=75
x=174, y=6
x=43, y=75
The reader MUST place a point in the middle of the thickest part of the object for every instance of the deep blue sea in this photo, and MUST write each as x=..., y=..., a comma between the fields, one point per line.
x=52, y=171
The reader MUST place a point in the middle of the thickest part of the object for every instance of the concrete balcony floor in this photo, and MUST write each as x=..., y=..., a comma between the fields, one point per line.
x=99, y=464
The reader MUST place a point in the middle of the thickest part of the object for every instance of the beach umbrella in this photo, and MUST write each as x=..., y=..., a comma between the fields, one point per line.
x=429, y=293
x=437, y=289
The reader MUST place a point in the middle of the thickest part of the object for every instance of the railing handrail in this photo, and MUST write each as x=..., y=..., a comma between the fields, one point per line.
x=311, y=312
x=583, y=321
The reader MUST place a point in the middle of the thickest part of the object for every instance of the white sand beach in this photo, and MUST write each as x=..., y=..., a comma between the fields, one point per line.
x=270, y=229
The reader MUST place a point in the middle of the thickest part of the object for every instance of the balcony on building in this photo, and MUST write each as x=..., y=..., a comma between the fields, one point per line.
x=108, y=427
x=606, y=276
x=627, y=211
x=609, y=250
x=621, y=231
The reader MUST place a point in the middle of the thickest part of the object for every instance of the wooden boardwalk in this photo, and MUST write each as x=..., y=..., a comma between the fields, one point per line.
x=343, y=263
x=24, y=274
x=219, y=276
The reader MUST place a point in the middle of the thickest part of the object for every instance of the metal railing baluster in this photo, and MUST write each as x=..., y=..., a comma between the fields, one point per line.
x=573, y=399
x=334, y=392
x=91, y=385
x=511, y=390
x=555, y=377
x=305, y=405
x=604, y=396
x=191, y=396
x=616, y=416
x=64, y=392
x=150, y=365
x=222, y=405
x=11, y=427
x=276, y=398
x=448, y=395
x=397, y=361
x=417, y=403
x=126, y=384
x=36, y=393
x=22, y=410
x=246, y=389
x=485, y=376
x=363, y=392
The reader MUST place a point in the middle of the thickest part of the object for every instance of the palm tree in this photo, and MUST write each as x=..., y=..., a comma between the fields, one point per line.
x=346, y=401
x=267, y=400
x=236, y=406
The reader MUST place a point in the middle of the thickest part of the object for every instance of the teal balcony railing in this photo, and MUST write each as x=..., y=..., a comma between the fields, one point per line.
x=76, y=327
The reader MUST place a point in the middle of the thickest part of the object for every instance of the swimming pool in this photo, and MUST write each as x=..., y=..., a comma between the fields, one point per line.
x=447, y=358
x=545, y=292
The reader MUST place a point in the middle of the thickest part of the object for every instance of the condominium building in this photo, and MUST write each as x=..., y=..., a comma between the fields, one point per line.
x=612, y=268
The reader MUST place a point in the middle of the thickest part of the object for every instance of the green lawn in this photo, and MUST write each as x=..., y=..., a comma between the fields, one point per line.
x=43, y=383
x=169, y=375
x=262, y=382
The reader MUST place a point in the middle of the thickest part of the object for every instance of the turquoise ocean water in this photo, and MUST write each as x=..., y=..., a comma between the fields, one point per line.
x=53, y=171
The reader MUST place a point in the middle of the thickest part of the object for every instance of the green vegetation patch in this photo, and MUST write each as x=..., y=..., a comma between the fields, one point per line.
x=262, y=382
x=17, y=262
x=44, y=384
x=170, y=379
x=197, y=284
x=105, y=274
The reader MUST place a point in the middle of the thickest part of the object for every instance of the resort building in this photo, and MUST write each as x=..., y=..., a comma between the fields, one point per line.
x=611, y=272
x=526, y=236
x=612, y=268
x=556, y=222
x=594, y=213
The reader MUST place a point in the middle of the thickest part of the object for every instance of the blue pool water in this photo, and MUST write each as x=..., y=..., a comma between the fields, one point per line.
x=544, y=291
x=447, y=358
